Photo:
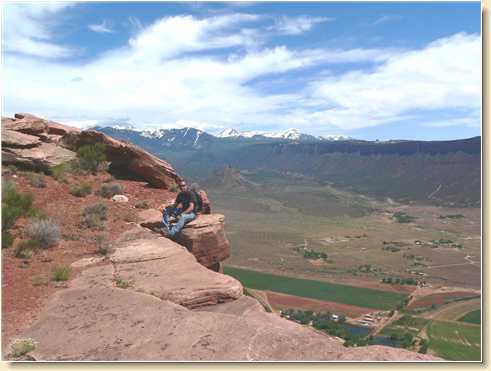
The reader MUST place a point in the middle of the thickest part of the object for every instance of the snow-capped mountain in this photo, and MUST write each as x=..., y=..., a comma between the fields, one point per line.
x=290, y=134
x=228, y=133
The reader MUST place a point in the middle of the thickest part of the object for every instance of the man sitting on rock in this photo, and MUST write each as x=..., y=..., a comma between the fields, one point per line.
x=184, y=209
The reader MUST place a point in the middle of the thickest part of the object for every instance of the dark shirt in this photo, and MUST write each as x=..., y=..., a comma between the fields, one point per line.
x=185, y=198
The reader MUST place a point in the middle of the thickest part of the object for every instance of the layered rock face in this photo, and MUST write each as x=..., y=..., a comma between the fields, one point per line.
x=127, y=157
x=204, y=237
x=95, y=321
x=33, y=142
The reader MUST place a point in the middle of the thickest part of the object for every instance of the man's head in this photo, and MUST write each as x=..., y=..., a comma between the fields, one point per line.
x=183, y=186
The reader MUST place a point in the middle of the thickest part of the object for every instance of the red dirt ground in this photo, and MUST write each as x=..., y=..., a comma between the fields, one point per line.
x=283, y=301
x=22, y=298
x=440, y=298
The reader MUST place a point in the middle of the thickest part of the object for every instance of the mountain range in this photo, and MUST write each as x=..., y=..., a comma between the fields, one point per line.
x=436, y=172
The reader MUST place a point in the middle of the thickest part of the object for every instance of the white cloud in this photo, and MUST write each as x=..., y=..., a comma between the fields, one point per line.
x=386, y=19
x=101, y=28
x=297, y=25
x=25, y=29
x=444, y=75
x=157, y=80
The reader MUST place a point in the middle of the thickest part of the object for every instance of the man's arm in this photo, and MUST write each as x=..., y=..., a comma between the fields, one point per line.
x=189, y=209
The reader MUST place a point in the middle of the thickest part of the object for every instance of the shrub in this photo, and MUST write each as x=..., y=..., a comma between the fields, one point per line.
x=36, y=180
x=21, y=347
x=61, y=273
x=82, y=191
x=101, y=244
x=7, y=239
x=59, y=172
x=93, y=216
x=401, y=217
x=173, y=189
x=44, y=231
x=110, y=189
x=8, y=185
x=14, y=205
x=121, y=282
x=25, y=249
x=91, y=156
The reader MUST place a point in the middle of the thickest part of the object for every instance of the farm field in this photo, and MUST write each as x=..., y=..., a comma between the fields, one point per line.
x=472, y=317
x=271, y=227
x=283, y=301
x=455, y=341
x=356, y=296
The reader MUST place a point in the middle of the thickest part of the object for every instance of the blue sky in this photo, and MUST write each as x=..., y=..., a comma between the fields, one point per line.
x=367, y=70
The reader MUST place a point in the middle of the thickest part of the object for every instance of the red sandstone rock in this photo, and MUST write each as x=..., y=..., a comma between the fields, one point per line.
x=11, y=138
x=205, y=238
x=160, y=267
x=127, y=158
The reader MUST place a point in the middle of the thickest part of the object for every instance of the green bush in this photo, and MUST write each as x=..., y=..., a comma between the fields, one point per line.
x=21, y=347
x=401, y=217
x=173, y=189
x=91, y=156
x=36, y=180
x=14, y=205
x=61, y=273
x=59, y=172
x=25, y=249
x=7, y=239
x=121, y=282
x=110, y=189
x=45, y=232
x=93, y=216
x=82, y=191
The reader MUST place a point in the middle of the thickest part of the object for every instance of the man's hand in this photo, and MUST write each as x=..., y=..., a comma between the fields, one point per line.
x=189, y=209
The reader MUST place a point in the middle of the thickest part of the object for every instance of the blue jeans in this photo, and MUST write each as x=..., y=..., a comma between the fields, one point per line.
x=183, y=220
x=168, y=212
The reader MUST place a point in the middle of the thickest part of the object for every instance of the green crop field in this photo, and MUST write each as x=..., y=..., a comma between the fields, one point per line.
x=316, y=289
x=472, y=317
x=412, y=325
x=455, y=341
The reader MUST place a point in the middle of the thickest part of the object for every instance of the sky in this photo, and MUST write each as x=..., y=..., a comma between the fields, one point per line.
x=370, y=70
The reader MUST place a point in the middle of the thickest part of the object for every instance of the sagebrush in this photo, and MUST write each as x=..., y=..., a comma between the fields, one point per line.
x=81, y=191
x=110, y=189
x=93, y=216
x=45, y=231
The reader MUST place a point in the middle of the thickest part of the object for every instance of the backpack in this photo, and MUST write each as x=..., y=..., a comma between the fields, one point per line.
x=199, y=202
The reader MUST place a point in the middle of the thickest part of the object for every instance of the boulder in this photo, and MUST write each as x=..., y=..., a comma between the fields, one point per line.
x=162, y=268
x=111, y=324
x=205, y=238
x=120, y=198
x=11, y=138
x=127, y=158
x=41, y=157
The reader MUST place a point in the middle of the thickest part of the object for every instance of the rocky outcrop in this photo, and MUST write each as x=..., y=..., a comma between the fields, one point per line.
x=127, y=158
x=33, y=142
x=14, y=139
x=204, y=237
x=95, y=321
x=160, y=267
x=42, y=157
